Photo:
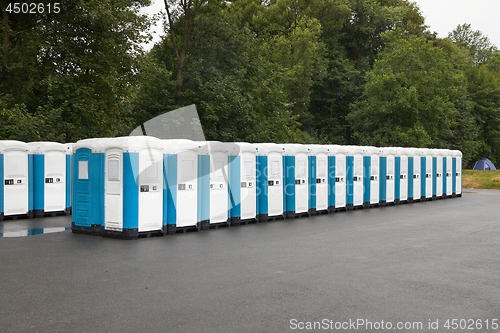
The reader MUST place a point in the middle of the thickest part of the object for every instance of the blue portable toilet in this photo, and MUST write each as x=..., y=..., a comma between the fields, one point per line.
x=354, y=177
x=180, y=193
x=270, y=203
x=448, y=170
x=242, y=183
x=414, y=174
x=133, y=187
x=296, y=176
x=16, y=189
x=88, y=186
x=456, y=173
x=371, y=165
x=213, y=195
x=338, y=175
x=318, y=179
x=437, y=175
x=427, y=169
x=401, y=176
x=387, y=173
x=51, y=178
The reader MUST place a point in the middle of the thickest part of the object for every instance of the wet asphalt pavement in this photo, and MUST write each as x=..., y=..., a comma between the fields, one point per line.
x=410, y=263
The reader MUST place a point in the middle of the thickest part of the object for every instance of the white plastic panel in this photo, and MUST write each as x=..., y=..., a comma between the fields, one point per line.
x=218, y=187
x=428, y=180
x=374, y=179
x=416, y=178
x=390, y=179
x=459, y=176
x=16, y=193
x=358, y=180
x=449, y=178
x=301, y=186
x=55, y=190
x=321, y=182
x=113, y=198
x=340, y=183
x=275, y=180
x=150, y=189
x=187, y=198
x=248, y=193
x=403, y=181
x=439, y=176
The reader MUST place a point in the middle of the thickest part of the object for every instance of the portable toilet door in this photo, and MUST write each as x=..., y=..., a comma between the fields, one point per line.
x=49, y=178
x=133, y=187
x=296, y=176
x=180, y=195
x=457, y=173
x=69, y=179
x=371, y=162
x=339, y=152
x=270, y=205
x=401, y=176
x=354, y=177
x=448, y=179
x=428, y=171
x=88, y=186
x=437, y=175
x=15, y=186
x=242, y=183
x=414, y=192
x=318, y=179
x=214, y=196
x=390, y=155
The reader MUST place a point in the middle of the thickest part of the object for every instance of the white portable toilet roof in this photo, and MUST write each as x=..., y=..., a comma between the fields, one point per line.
x=353, y=150
x=447, y=152
x=236, y=148
x=295, y=148
x=413, y=151
x=456, y=153
x=337, y=149
x=209, y=147
x=402, y=151
x=319, y=149
x=369, y=150
x=133, y=143
x=175, y=146
x=42, y=147
x=426, y=152
x=96, y=145
x=267, y=148
x=69, y=148
x=6, y=145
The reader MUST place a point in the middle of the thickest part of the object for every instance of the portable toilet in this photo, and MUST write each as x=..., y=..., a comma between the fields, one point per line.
x=88, y=186
x=242, y=183
x=427, y=169
x=354, y=177
x=180, y=193
x=50, y=178
x=371, y=162
x=456, y=173
x=387, y=173
x=414, y=175
x=447, y=174
x=270, y=205
x=401, y=176
x=296, y=174
x=437, y=179
x=338, y=158
x=133, y=187
x=69, y=183
x=16, y=189
x=213, y=196
x=318, y=179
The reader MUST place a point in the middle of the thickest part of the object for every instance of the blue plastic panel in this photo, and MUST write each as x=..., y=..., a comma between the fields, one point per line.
x=130, y=191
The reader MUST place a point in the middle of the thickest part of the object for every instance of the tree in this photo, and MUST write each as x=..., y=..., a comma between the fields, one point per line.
x=479, y=46
x=412, y=96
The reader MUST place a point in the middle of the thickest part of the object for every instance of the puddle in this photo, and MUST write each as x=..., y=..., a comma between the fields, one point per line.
x=33, y=232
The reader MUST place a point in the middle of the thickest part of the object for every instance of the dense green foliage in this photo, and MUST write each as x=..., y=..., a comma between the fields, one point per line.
x=310, y=71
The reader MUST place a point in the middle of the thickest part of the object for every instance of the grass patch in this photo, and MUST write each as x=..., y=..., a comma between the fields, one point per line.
x=481, y=179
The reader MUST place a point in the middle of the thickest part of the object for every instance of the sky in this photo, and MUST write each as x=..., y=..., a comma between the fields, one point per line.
x=442, y=16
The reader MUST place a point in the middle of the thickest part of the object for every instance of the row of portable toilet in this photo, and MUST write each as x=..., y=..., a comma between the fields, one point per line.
x=35, y=179
x=129, y=186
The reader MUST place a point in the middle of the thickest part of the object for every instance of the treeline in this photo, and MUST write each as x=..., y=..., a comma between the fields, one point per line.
x=309, y=71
